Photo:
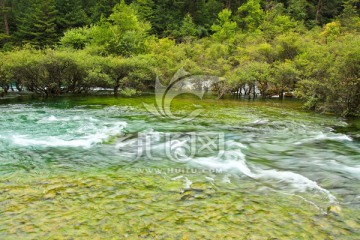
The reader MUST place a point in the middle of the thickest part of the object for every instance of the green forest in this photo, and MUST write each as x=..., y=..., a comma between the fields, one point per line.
x=309, y=47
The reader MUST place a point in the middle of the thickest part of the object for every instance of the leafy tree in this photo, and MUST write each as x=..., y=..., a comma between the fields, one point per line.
x=285, y=76
x=330, y=80
x=207, y=14
x=276, y=22
x=326, y=10
x=124, y=34
x=188, y=29
x=252, y=74
x=350, y=17
x=299, y=9
x=224, y=28
x=125, y=18
x=129, y=32
x=331, y=31
x=76, y=38
x=250, y=15
x=288, y=46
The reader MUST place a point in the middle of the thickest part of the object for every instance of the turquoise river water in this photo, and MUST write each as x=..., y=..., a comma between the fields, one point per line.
x=105, y=168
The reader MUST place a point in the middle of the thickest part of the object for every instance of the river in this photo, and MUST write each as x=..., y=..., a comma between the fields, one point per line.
x=104, y=167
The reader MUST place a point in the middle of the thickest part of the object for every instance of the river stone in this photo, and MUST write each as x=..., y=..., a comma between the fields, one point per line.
x=335, y=209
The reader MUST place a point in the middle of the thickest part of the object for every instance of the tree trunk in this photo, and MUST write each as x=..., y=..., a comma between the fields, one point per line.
x=2, y=91
x=249, y=90
x=18, y=87
x=228, y=4
x=221, y=95
x=6, y=88
x=4, y=16
x=116, y=90
x=318, y=11
x=6, y=24
x=281, y=95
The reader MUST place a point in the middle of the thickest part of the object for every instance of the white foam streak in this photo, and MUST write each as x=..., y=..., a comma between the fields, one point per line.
x=322, y=136
x=86, y=141
x=260, y=121
x=226, y=179
x=228, y=165
x=353, y=170
x=188, y=183
x=235, y=160
x=53, y=119
x=299, y=182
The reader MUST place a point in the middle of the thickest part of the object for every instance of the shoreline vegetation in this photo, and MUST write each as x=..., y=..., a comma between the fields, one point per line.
x=258, y=49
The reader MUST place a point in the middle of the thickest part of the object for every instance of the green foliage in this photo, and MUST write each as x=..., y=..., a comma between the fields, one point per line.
x=70, y=15
x=250, y=15
x=299, y=9
x=125, y=18
x=350, y=17
x=53, y=72
x=129, y=92
x=331, y=75
x=76, y=38
x=331, y=31
x=144, y=8
x=276, y=23
x=4, y=38
x=188, y=28
x=38, y=25
x=285, y=76
x=98, y=9
x=252, y=73
x=288, y=46
x=270, y=46
x=123, y=34
x=224, y=28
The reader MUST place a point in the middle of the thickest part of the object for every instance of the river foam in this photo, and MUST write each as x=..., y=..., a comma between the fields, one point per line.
x=235, y=160
x=326, y=136
x=87, y=137
x=230, y=160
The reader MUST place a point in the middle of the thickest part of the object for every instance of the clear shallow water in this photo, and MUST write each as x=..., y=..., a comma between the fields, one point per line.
x=77, y=167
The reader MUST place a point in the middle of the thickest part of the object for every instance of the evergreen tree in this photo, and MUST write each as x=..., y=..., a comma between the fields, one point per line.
x=250, y=15
x=70, y=14
x=188, y=28
x=225, y=28
x=101, y=8
x=38, y=25
x=4, y=10
x=145, y=9
x=129, y=31
x=350, y=17
x=5, y=33
x=167, y=17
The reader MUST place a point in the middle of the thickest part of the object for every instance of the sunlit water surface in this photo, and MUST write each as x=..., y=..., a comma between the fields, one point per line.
x=101, y=167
